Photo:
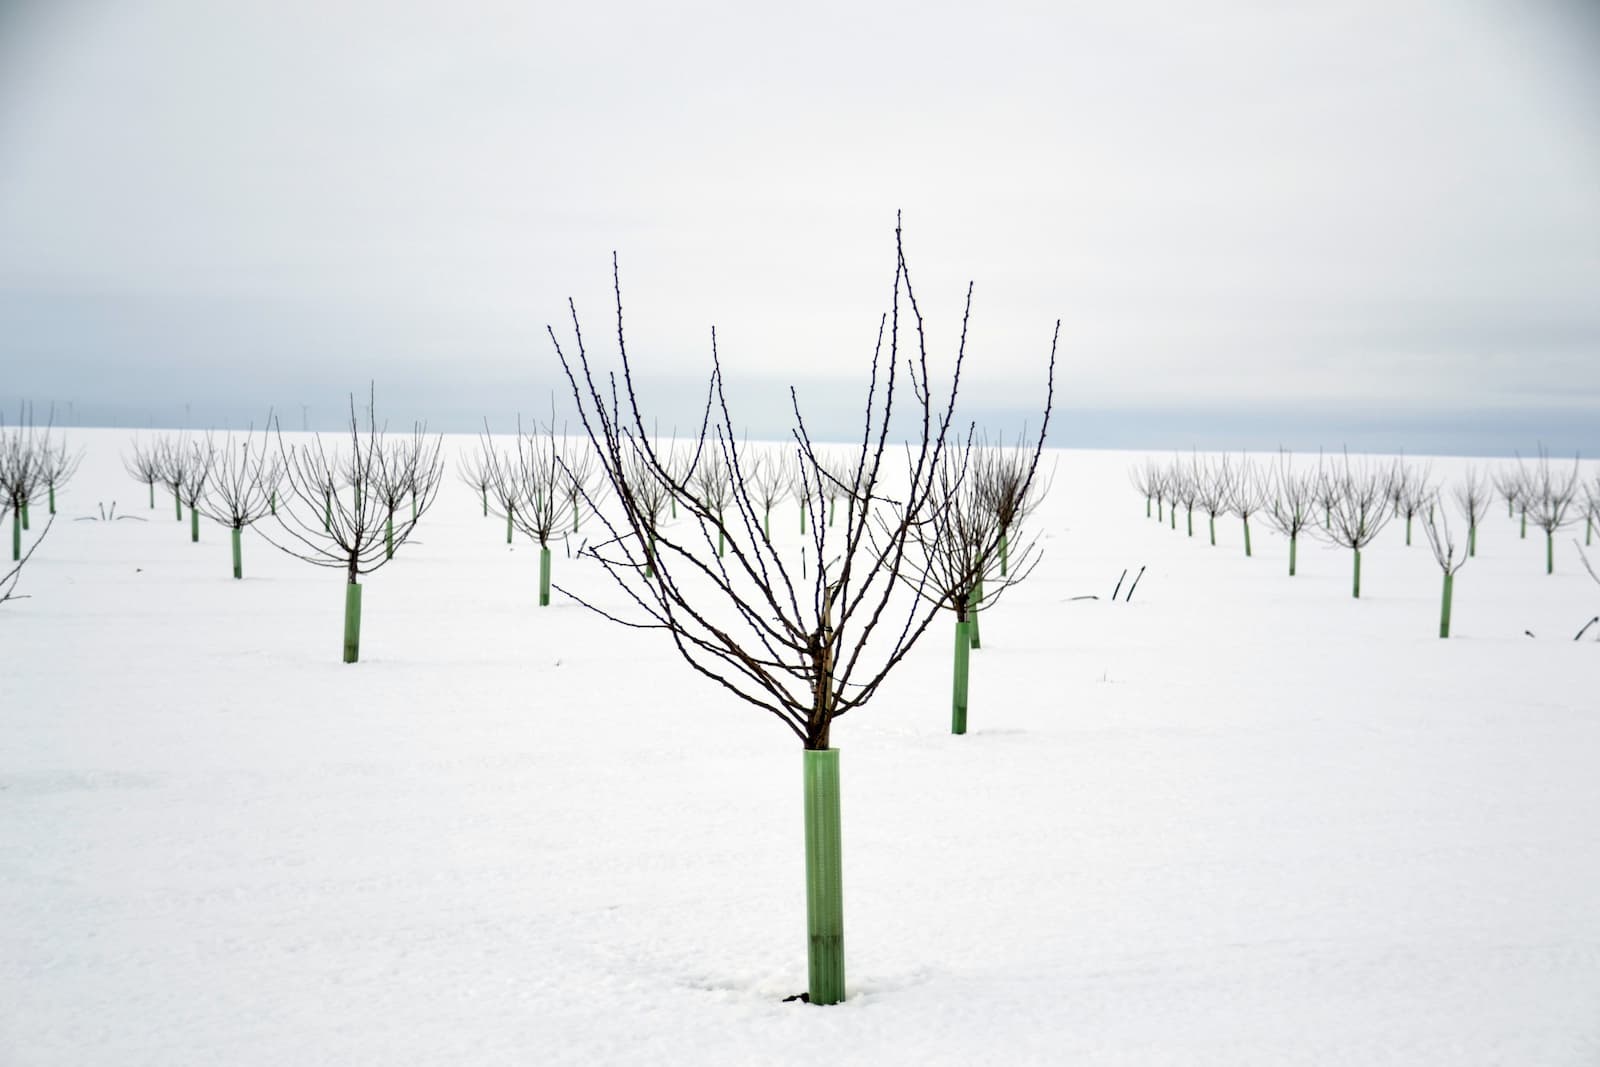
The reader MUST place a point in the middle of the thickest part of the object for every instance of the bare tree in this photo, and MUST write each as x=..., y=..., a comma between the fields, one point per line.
x=712, y=483
x=959, y=553
x=320, y=527
x=1246, y=496
x=649, y=493
x=1412, y=492
x=192, y=489
x=1292, y=510
x=805, y=651
x=1472, y=496
x=1186, y=488
x=540, y=484
x=413, y=467
x=1327, y=490
x=145, y=466
x=1436, y=525
x=476, y=469
x=23, y=455
x=505, y=487
x=1214, y=489
x=1547, y=498
x=1146, y=478
x=1007, y=486
x=582, y=479
x=1362, y=508
x=177, y=457
x=1508, y=483
x=769, y=485
x=242, y=487
x=57, y=468
x=1591, y=511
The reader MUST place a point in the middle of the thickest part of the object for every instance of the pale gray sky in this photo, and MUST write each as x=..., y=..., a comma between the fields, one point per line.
x=1248, y=214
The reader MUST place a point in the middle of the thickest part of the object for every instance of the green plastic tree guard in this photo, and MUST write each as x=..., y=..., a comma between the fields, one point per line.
x=52, y=500
x=327, y=511
x=1408, y=531
x=574, y=513
x=973, y=603
x=486, y=503
x=1213, y=531
x=833, y=510
x=16, y=539
x=1147, y=507
x=958, y=701
x=388, y=537
x=544, y=576
x=722, y=541
x=352, y=622
x=194, y=525
x=177, y=505
x=1292, y=540
x=1160, y=508
x=1172, y=516
x=766, y=524
x=802, y=518
x=1444, y=608
x=1549, y=552
x=1472, y=540
x=1357, y=587
x=1524, y=524
x=272, y=502
x=1247, y=536
x=1189, y=516
x=152, y=496
x=824, y=877
x=25, y=524
x=650, y=557
x=1005, y=561
x=238, y=564
x=509, y=510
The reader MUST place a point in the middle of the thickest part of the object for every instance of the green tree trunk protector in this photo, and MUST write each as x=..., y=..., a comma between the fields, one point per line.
x=1147, y=507
x=52, y=500
x=766, y=524
x=1549, y=552
x=327, y=511
x=802, y=518
x=352, y=622
x=650, y=557
x=722, y=543
x=194, y=525
x=1190, y=517
x=1588, y=531
x=272, y=502
x=388, y=537
x=25, y=524
x=486, y=503
x=1356, y=589
x=674, y=501
x=958, y=699
x=833, y=510
x=1172, y=515
x=824, y=877
x=1524, y=524
x=1408, y=531
x=1472, y=540
x=413, y=509
x=238, y=564
x=544, y=576
x=574, y=514
x=1213, y=531
x=1160, y=510
x=16, y=538
x=152, y=496
x=1005, y=562
x=1247, y=535
x=1292, y=544
x=177, y=505
x=973, y=603
x=509, y=510
x=1444, y=608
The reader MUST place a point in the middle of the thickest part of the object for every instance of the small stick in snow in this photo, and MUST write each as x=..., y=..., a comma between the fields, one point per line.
x=1118, y=589
x=1129, y=598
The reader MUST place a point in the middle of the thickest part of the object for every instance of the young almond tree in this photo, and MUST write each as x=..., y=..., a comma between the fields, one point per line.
x=1006, y=480
x=1214, y=489
x=243, y=484
x=476, y=469
x=769, y=485
x=328, y=529
x=192, y=489
x=1508, y=484
x=1246, y=496
x=178, y=457
x=581, y=478
x=1412, y=493
x=540, y=477
x=413, y=466
x=57, y=468
x=1186, y=488
x=1472, y=496
x=505, y=488
x=804, y=488
x=1361, y=509
x=1547, y=498
x=1146, y=478
x=1591, y=511
x=1436, y=525
x=806, y=650
x=1292, y=509
x=145, y=466
x=712, y=484
x=22, y=460
x=648, y=494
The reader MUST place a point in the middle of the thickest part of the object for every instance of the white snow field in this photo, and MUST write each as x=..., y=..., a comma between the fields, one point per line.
x=1244, y=819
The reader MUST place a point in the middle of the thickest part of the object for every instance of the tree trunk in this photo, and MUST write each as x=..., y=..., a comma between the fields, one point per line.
x=802, y=518
x=1172, y=516
x=824, y=877
x=1293, y=540
x=238, y=563
x=1247, y=535
x=1472, y=539
x=574, y=512
x=1356, y=589
x=52, y=499
x=1524, y=524
x=486, y=502
x=544, y=576
x=1549, y=551
x=974, y=601
x=958, y=701
x=16, y=535
x=1190, y=517
x=152, y=496
x=833, y=510
x=509, y=510
x=352, y=622
x=1147, y=507
x=1213, y=531
x=1444, y=607
x=388, y=536
x=177, y=505
x=194, y=524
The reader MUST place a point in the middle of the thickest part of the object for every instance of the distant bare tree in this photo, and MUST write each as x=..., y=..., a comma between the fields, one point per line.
x=60, y=463
x=242, y=486
x=1009, y=485
x=1412, y=492
x=145, y=466
x=1547, y=499
x=1472, y=496
x=1246, y=496
x=178, y=456
x=582, y=479
x=1436, y=524
x=1146, y=478
x=1327, y=490
x=804, y=650
x=1213, y=490
x=322, y=528
x=1591, y=511
x=713, y=485
x=24, y=451
x=195, y=474
x=540, y=484
x=648, y=493
x=1361, y=509
x=1186, y=488
x=476, y=469
x=413, y=468
x=505, y=487
x=769, y=484
x=1508, y=483
x=1293, y=504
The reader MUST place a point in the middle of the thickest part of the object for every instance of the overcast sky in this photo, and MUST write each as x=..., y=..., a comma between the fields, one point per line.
x=1259, y=222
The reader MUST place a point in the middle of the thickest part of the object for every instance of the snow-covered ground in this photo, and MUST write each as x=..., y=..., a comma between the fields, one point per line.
x=1244, y=819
